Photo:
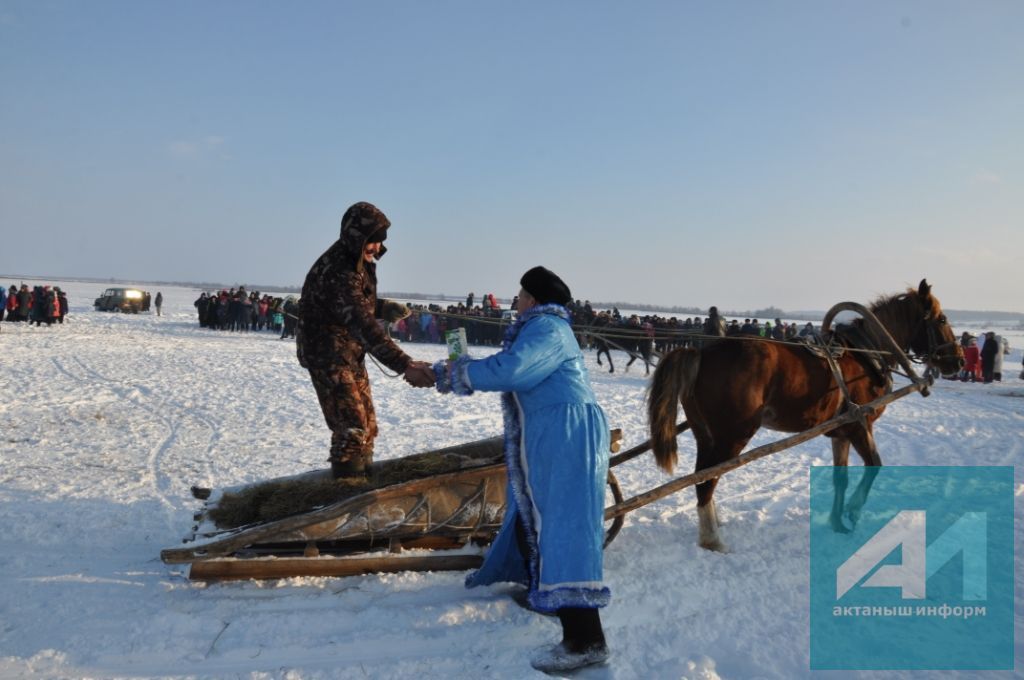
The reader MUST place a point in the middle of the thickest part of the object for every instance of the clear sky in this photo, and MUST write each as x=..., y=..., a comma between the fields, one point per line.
x=742, y=154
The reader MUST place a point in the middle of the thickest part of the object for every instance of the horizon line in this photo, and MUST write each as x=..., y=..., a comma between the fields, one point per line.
x=644, y=306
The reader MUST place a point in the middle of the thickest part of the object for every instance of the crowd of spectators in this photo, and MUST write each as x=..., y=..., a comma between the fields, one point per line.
x=428, y=323
x=241, y=312
x=485, y=324
x=983, y=361
x=668, y=333
x=42, y=304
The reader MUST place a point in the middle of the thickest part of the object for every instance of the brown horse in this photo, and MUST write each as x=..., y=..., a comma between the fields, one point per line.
x=734, y=386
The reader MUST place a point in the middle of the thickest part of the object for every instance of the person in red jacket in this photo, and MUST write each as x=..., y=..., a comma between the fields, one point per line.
x=972, y=362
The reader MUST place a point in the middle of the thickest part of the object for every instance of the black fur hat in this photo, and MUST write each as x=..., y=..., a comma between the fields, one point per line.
x=545, y=286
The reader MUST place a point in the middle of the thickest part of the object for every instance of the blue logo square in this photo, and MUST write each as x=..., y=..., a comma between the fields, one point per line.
x=911, y=568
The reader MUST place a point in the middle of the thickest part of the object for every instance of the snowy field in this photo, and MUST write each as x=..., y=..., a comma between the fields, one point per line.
x=109, y=419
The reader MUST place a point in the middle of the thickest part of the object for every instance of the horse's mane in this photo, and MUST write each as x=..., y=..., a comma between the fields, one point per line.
x=901, y=313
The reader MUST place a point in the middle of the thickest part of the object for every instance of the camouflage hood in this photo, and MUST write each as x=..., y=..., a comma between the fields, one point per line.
x=361, y=222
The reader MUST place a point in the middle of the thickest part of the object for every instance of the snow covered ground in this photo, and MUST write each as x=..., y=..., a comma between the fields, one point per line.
x=108, y=420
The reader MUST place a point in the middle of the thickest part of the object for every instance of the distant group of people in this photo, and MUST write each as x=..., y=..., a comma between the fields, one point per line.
x=602, y=330
x=665, y=334
x=484, y=324
x=242, y=311
x=983, y=362
x=42, y=304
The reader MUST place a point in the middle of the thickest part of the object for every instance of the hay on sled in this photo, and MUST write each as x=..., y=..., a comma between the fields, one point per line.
x=277, y=499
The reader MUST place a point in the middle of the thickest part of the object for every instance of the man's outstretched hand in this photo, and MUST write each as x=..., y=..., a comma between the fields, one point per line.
x=419, y=374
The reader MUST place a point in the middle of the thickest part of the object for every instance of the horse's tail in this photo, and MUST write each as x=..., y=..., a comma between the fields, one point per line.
x=673, y=381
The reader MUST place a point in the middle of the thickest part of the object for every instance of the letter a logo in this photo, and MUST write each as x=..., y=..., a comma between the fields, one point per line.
x=906, y=529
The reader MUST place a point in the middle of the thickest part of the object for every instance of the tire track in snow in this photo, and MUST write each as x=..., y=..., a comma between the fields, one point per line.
x=142, y=397
x=174, y=426
x=125, y=393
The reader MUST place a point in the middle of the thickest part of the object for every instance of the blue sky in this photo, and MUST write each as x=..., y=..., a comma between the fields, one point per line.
x=742, y=154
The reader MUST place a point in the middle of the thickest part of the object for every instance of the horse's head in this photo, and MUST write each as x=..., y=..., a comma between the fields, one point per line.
x=933, y=337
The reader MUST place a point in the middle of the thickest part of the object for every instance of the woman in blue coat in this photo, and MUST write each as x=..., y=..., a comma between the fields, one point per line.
x=556, y=449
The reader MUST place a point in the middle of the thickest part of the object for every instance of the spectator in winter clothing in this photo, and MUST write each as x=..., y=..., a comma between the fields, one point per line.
x=24, y=302
x=159, y=302
x=52, y=306
x=62, y=298
x=233, y=305
x=202, y=305
x=338, y=327
x=972, y=362
x=988, y=356
x=38, y=306
x=556, y=449
x=1002, y=347
x=289, y=317
x=3, y=302
x=12, y=303
x=262, y=309
x=988, y=351
x=244, y=319
x=714, y=324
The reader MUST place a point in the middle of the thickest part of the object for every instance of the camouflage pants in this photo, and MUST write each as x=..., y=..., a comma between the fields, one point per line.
x=345, y=399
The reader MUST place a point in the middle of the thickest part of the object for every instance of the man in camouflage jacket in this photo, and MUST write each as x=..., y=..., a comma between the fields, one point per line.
x=338, y=314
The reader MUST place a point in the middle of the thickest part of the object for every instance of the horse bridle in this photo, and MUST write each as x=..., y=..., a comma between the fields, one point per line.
x=936, y=347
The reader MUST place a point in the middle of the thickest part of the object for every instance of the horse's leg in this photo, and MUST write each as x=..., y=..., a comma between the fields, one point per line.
x=840, y=480
x=864, y=444
x=708, y=456
x=632, y=358
x=707, y=517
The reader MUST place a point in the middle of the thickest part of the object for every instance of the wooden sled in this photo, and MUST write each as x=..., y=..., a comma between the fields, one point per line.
x=447, y=516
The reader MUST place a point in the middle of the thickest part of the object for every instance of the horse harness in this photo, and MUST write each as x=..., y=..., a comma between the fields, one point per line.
x=850, y=339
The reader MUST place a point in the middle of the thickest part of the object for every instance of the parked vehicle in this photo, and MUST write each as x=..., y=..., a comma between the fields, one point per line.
x=123, y=300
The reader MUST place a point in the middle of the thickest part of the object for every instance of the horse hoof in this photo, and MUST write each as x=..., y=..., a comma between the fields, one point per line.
x=715, y=546
x=838, y=526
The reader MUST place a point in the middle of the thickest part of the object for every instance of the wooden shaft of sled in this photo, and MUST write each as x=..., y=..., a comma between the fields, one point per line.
x=643, y=447
x=232, y=569
x=752, y=455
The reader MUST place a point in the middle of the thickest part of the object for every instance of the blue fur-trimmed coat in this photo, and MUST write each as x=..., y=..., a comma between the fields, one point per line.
x=556, y=448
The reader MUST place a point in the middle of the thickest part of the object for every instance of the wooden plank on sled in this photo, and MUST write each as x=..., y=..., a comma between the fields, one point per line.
x=225, y=569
